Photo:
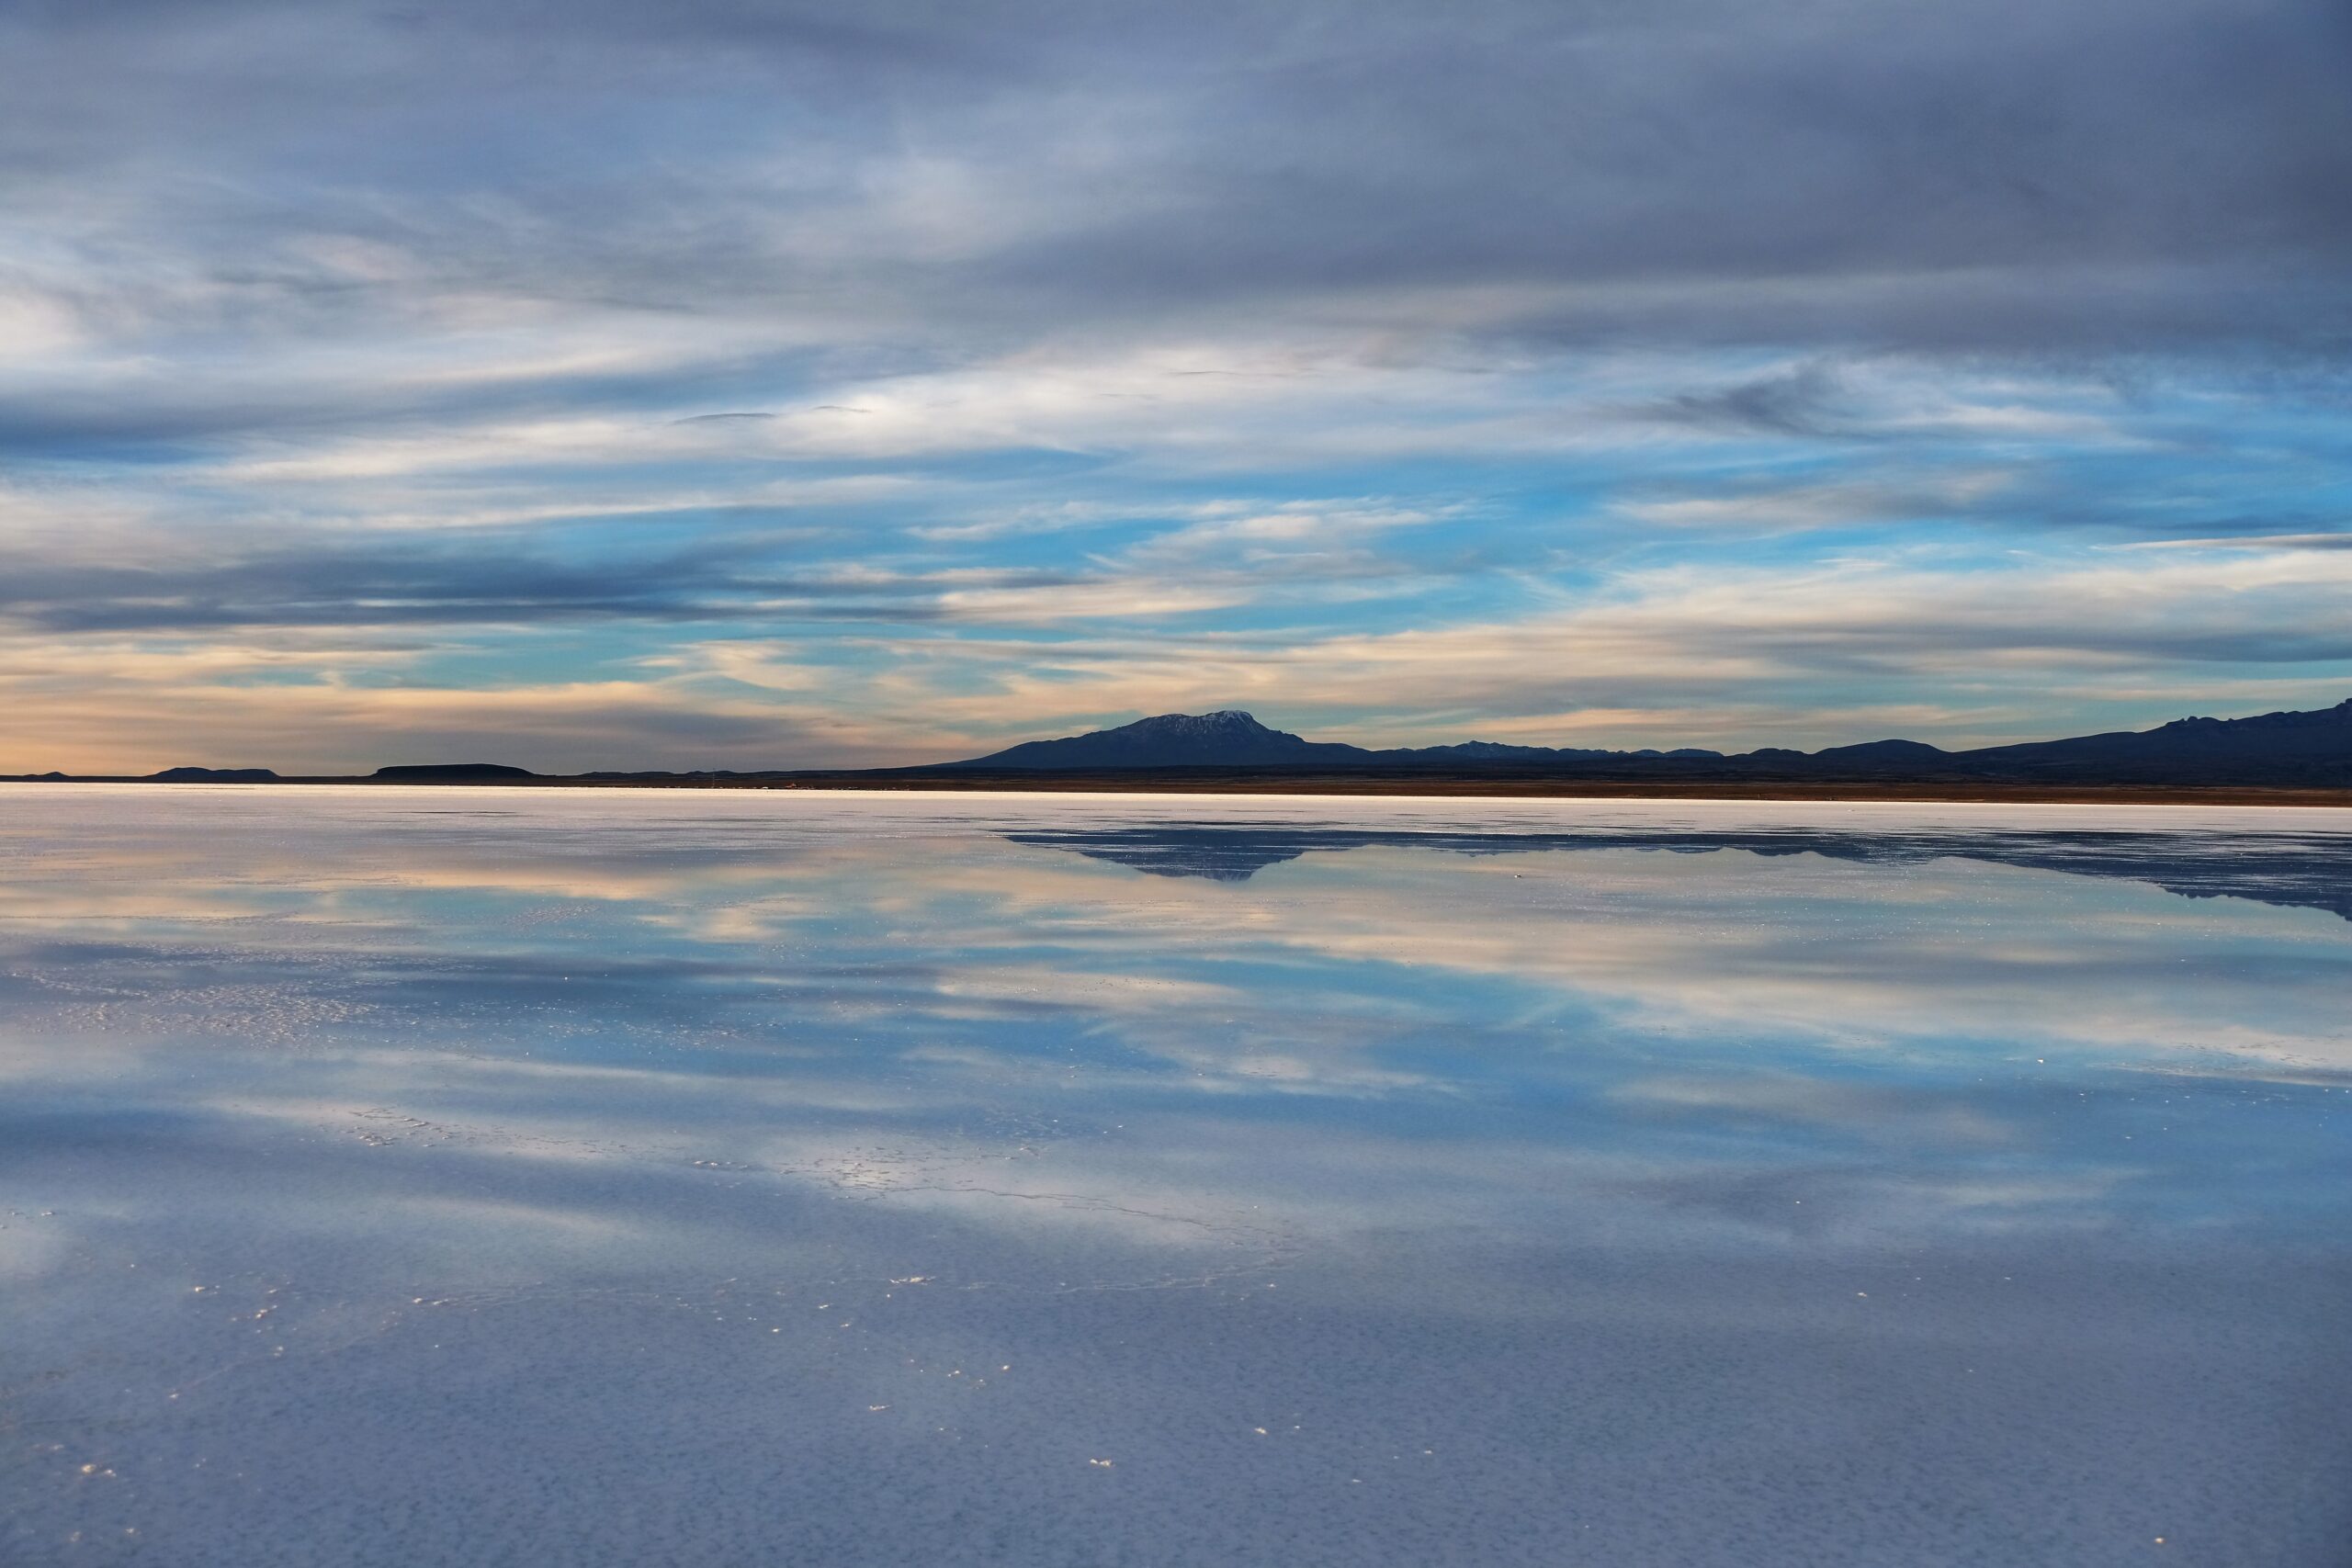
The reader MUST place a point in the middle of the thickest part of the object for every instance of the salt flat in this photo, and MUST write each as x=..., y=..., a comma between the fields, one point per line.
x=479, y=1176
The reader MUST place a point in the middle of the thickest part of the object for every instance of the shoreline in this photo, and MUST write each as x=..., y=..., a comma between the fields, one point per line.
x=1330, y=784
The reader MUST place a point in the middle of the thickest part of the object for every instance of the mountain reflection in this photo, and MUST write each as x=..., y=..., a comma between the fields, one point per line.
x=2308, y=872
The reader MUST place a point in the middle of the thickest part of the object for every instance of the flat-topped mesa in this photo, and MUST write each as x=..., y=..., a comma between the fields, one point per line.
x=448, y=773
x=215, y=775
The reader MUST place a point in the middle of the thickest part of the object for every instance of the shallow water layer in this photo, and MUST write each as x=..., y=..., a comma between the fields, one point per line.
x=531, y=1177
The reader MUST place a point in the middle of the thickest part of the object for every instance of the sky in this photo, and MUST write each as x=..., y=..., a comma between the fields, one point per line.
x=734, y=384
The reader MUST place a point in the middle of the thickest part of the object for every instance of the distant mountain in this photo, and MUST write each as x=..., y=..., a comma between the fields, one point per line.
x=2313, y=750
x=1227, y=740
x=1234, y=739
x=1878, y=753
x=450, y=772
x=215, y=775
x=2315, y=746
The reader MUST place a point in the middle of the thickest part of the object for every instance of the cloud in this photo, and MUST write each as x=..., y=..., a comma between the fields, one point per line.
x=1976, y=173
x=2251, y=542
x=1082, y=363
x=378, y=585
x=1802, y=402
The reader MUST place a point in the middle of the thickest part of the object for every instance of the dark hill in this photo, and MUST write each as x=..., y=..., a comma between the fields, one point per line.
x=215, y=775
x=1175, y=741
x=1901, y=753
x=2272, y=747
x=1233, y=740
x=450, y=772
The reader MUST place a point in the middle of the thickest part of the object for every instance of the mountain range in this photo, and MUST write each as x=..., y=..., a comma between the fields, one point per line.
x=2271, y=750
x=2303, y=749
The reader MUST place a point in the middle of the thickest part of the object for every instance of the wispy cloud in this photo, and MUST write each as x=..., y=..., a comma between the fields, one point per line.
x=1537, y=368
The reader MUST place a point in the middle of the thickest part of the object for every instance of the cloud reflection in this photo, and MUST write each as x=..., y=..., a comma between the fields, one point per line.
x=458, y=1122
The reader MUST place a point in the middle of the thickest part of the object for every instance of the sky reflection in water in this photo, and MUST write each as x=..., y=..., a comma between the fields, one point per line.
x=477, y=1176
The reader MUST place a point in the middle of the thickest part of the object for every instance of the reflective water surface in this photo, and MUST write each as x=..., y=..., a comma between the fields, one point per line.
x=532, y=1176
